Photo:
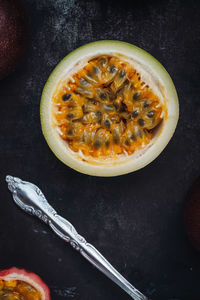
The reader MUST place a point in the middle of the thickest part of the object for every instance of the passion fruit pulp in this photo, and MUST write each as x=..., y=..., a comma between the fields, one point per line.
x=18, y=284
x=108, y=108
x=105, y=109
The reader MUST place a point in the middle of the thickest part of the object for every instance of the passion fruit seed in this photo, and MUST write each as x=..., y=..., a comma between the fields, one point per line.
x=93, y=101
x=127, y=142
x=70, y=132
x=83, y=81
x=150, y=114
x=122, y=73
x=98, y=114
x=141, y=122
x=107, y=143
x=103, y=61
x=70, y=115
x=136, y=95
x=95, y=70
x=107, y=124
x=135, y=113
x=116, y=139
x=97, y=144
x=103, y=96
x=66, y=97
x=112, y=69
x=101, y=117
x=111, y=96
x=139, y=133
x=147, y=103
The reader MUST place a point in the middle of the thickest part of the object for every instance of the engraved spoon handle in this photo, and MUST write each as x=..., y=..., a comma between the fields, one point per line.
x=67, y=232
x=30, y=198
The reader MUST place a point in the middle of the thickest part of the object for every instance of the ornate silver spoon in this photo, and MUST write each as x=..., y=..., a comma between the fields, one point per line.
x=30, y=198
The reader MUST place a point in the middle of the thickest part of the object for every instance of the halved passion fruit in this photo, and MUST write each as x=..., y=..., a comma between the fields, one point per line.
x=108, y=108
x=18, y=284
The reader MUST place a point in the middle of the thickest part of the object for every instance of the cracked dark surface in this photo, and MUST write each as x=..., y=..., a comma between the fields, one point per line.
x=134, y=220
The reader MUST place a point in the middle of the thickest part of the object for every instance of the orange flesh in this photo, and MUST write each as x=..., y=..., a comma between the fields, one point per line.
x=105, y=109
x=18, y=290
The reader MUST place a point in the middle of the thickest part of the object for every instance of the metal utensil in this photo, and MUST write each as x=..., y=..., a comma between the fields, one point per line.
x=30, y=198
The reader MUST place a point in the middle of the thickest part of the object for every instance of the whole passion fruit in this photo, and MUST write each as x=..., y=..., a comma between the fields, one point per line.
x=108, y=108
x=192, y=214
x=18, y=284
x=13, y=35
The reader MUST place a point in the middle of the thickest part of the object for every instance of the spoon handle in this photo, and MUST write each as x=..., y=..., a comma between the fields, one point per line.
x=30, y=198
x=68, y=233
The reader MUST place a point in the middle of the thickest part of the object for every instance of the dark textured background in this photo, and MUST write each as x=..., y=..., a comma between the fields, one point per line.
x=136, y=219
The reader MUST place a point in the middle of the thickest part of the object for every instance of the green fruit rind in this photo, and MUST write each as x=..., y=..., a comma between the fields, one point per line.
x=55, y=143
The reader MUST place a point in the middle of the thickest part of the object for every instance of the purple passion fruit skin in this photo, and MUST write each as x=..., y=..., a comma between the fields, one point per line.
x=191, y=215
x=13, y=35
